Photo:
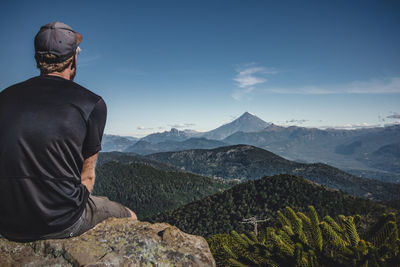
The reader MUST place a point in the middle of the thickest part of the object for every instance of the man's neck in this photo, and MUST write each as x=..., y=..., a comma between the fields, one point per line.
x=66, y=75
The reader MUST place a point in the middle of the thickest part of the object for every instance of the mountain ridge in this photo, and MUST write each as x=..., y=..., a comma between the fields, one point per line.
x=345, y=149
x=245, y=162
x=144, y=147
x=173, y=135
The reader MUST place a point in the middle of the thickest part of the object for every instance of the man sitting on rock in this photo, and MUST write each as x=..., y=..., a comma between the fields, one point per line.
x=50, y=135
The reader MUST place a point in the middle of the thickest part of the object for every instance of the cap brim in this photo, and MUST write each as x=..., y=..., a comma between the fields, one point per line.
x=78, y=38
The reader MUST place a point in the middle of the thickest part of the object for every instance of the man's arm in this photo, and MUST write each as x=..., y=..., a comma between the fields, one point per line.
x=88, y=173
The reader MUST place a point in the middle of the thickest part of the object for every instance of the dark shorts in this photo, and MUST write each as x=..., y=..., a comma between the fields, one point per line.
x=97, y=209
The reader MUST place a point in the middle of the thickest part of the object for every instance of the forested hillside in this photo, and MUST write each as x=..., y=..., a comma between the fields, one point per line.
x=224, y=211
x=147, y=190
x=130, y=157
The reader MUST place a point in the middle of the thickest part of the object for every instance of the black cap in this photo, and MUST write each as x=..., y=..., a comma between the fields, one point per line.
x=58, y=39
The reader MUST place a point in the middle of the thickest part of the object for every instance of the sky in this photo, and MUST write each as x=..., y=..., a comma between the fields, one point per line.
x=199, y=64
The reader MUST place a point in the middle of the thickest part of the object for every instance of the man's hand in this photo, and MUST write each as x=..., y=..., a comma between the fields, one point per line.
x=88, y=173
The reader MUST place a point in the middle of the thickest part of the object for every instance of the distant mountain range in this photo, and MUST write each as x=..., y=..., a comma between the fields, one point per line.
x=245, y=123
x=246, y=162
x=345, y=149
x=173, y=135
x=116, y=143
x=371, y=149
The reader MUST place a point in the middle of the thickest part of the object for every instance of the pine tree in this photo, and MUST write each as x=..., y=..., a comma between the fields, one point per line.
x=303, y=240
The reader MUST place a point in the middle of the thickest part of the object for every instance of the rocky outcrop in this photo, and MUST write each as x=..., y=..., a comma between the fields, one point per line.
x=114, y=242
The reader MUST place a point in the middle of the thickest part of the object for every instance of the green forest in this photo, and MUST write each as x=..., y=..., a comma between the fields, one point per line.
x=147, y=190
x=225, y=211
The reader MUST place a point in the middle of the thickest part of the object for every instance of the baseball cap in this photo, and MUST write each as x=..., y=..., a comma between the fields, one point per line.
x=58, y=39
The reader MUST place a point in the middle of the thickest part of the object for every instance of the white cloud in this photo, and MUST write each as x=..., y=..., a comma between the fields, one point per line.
x=350, y=126
x=249, y=76
x=84, y=60
x=390, y=85
x=142, y=128
x=239, y=93
x=248, y=80
x=182, y=125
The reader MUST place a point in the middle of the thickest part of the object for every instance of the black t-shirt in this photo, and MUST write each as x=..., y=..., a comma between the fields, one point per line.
x=48, y=127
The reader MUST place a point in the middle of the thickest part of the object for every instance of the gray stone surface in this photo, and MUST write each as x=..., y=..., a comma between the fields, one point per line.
x=114, y=242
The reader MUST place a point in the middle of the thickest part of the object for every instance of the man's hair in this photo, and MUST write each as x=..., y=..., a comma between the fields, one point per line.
x=46, y=68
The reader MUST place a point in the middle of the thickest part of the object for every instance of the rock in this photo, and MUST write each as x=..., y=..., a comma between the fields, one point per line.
x=113, y=242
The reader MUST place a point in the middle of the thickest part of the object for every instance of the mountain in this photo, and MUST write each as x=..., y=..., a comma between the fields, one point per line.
x=386, y=157
x=377, y=175
x=144, y=147
x=173, y=135
x=345, y=149
x=246, y=162
x=116, y=143
x=147, y=190
x=131, y=138
x=245, y=123
x=224, y=211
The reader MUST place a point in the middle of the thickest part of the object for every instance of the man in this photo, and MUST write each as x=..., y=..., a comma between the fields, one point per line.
x=50, y=135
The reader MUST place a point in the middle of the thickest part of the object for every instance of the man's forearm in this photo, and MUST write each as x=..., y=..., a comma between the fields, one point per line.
x=88, y=182
x=88, y=172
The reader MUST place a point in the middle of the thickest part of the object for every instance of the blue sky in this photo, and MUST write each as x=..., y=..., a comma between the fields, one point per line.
x=199, y=64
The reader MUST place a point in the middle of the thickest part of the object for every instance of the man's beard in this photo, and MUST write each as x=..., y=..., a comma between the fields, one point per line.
x=73, y=70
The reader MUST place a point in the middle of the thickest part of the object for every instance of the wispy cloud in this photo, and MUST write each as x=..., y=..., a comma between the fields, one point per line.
x=142, y=128
x=394, y=116
x=248, y=76
x=390, y=85
x=350, y=126
x=182, y=125
x=239, y=93
x=84, y=60
x=294, y=121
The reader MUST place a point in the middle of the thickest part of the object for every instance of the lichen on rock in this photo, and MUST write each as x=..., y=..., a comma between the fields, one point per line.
x=114, y=242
